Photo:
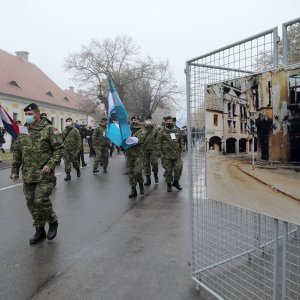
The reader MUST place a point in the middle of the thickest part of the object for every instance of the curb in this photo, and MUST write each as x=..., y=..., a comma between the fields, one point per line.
x=238, y=165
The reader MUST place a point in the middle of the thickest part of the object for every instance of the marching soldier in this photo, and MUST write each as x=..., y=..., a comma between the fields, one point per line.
x=38, y=152
x=169, y=146
x=101, y=145
x=134, y=158
x=150, y=151
x=72, y=141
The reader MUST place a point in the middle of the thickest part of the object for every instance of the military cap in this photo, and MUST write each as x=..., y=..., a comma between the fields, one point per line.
x=135, y=117
x=168, y=118
x=104, y=119
x=43, y=115
x=18, y=122
x=69, y=119
x=31, y=106
x=148, y=118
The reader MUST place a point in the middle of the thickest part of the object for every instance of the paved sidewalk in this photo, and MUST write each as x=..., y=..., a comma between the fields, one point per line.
x=286, y=181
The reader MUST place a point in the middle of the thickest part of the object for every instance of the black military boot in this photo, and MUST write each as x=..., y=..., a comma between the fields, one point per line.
x=104, y=170
x=169, y=187
x=78, y=172
x=84, y=164
x=39, y=235
x=133, y=192
x=52, y=230
x=142, y=190
x=156, y=177
x=148, y=180
x=68, y=177
x=177, y=185
x=95, y=171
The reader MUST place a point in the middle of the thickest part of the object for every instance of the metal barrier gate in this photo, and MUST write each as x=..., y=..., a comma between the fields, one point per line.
x=236, y=253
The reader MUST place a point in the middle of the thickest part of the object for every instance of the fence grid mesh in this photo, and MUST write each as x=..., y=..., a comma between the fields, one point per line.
x=236, y=253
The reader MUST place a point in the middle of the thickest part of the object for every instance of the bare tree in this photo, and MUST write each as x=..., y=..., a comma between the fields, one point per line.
x=157, y=89
x=117, y=59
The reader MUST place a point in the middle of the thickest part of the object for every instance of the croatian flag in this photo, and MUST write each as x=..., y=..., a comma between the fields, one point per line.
x=11, y=127
x=122, y=118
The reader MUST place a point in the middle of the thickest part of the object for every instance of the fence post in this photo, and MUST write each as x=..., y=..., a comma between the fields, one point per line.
x=284, y=258
x=284, y=46
x=275, y=260
x=190, y=194
x=275, y=47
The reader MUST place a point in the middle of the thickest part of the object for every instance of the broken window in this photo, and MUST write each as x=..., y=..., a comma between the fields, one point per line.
x=215, y=120
x=294, y=83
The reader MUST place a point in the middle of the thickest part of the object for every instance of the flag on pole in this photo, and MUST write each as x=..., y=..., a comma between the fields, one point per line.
x=122, y=118
x=11, y=127
x=113, y=129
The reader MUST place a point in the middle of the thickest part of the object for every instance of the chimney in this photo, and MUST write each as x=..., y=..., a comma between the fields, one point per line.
x=71, y=88
x=23, y=55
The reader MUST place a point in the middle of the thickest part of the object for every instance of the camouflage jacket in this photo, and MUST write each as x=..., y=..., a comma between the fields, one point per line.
x=151, y=133
x=137, y=150
x=72, y=139
x=99, y=139
x=40, y=147
x=170, y=143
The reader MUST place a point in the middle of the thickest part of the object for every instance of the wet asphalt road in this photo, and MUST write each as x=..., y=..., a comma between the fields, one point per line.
x=86, y=207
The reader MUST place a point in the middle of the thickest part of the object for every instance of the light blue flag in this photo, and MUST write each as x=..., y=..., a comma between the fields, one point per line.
x=122, y=117
x=113, y=129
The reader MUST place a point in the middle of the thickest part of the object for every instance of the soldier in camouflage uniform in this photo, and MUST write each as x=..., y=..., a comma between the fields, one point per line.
x=150, y=151
x=38, y=152
x=72, y=141
x=101, y=146
x=134, y=158
x=169, y=147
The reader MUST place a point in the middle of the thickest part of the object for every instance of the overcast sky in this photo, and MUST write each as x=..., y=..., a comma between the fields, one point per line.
x=164, y=29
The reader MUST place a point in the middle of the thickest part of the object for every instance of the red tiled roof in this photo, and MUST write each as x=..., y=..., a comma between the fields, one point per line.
x=79, y=99
x=33, y=83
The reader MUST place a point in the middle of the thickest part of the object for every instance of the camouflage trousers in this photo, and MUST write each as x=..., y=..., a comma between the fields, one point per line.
x=150, y=159
x=102, y=156
x=70, y=157
x=134, y=166
x=37, y=196
x=173, y=169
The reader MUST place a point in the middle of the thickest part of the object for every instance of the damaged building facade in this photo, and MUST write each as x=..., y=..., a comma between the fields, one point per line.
x=264, y=108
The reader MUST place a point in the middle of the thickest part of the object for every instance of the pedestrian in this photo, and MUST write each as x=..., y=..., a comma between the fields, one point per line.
x=72, y=141
x=44, y=116
x=89, y=137
x=2, y=139
x=184, y=136
x=80, y=157
x=101, y=146
x=134, y=158
x=170, y=146
x=37, y=153
x=193, y=136
x=150, y=151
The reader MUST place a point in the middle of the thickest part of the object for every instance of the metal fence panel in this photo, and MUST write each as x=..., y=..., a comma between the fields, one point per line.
x=235, y=253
